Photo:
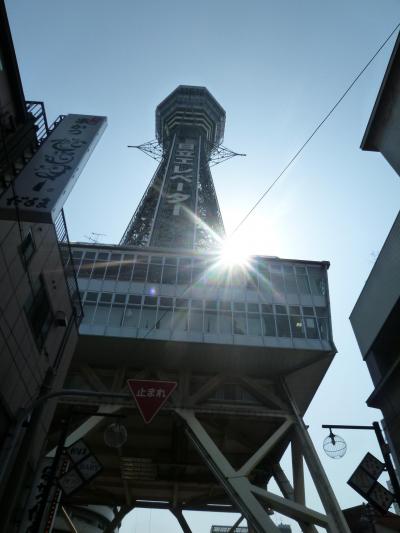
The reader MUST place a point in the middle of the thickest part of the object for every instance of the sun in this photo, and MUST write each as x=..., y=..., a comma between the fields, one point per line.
x=233, y=253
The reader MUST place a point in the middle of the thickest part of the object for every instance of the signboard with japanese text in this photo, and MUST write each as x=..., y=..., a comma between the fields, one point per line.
x=175, y=221
x=364, y=480
x=84, y=466
x=150, y=395
x=42, y=187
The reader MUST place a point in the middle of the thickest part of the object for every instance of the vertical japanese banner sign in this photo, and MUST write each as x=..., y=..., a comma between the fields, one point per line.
x=42, y=187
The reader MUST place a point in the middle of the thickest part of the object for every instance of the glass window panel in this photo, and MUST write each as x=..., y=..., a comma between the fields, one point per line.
x=116, y=315
x=120, y=298
x=321, y=311
x=139, y=272
x=198, y=304
x=196, y=321
x=131, y=317
x=180, y=302
x=225, y=323
x=266, y=308
x=269, y=325
x=180, y=320
x=317, y=280
x=210, y=322
x=125, y=272
x=304, y=286
x=290, y=280
x=148, y=319
x=106, y=297
x=264, y=280
x=308, y=311
x=254, y=324
x=238, y=306
x=297, y=325
x=252, y=308
x=300, y=271
x=90, y=255
x=323, y=328
x=164, y=318
x=166, y=302
x=277, y=282
x=77, y=254
x=282, y=323
x=198, y=271
x=101, y=314
x=239, y=323
x=143, y=259
x=154, y=274
x=225, y=306
x=281, y=309
x=211, y=304
x=88, y=312
x=150, y=300
x=171, y=260
x=156, y=259
x=92, y=296
x=99, y=268
x=169, y=274
x=113, y=266
x=311, y=328
x=86, y=268
x=184, y=271
x=294, y=309
x=252, y=279
x=135, y=299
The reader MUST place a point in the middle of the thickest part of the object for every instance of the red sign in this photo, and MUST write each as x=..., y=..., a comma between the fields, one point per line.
x=150, y=396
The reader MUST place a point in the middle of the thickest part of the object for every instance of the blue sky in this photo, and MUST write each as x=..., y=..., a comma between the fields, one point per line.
x=276, y=67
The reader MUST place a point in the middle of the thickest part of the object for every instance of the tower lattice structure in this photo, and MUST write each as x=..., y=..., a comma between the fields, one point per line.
x=180, y=208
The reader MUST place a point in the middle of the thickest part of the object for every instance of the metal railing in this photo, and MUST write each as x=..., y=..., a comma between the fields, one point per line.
x=68, y=265
x=38, y=112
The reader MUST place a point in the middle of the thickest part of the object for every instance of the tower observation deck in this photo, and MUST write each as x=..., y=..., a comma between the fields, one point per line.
x=180, y=208
x=248, y=346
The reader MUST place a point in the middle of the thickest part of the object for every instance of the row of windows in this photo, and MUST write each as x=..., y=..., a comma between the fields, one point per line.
x=178, y=314
x=262, y=275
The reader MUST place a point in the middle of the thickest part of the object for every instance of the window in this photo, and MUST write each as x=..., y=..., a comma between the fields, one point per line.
x=268, y=323
x=27, y=248
x=290, y=280
x=317, y=281
x=99, y=268
x=164, y=315
x=117, y=310
x=282, y=321
x=125, y=272
x=184, y=272
x=113, y=266
x=132, y=312
x=103, y=309
x=254, y=324
x=39, y=313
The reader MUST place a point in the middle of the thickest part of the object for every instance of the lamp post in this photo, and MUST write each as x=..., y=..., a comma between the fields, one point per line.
x=384, y=447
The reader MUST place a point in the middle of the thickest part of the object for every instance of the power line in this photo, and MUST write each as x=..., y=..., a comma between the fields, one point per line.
x=316, y=129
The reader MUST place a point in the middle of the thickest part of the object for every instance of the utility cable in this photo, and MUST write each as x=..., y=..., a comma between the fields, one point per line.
x=264, y=194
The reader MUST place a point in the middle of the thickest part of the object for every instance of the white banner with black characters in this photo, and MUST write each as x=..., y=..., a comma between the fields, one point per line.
x=42, y=187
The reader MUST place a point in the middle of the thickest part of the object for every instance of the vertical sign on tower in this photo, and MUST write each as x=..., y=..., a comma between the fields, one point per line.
x=175, y=220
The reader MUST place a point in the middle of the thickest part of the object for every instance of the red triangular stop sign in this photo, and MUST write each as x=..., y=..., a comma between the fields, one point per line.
x=150, y=395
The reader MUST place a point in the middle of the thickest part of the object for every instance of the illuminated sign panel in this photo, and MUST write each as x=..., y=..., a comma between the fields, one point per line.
x=175, y=221
x=42, y=187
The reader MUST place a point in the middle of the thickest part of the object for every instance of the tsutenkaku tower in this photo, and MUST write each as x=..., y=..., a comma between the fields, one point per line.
x=179, y=208
x=246, y=345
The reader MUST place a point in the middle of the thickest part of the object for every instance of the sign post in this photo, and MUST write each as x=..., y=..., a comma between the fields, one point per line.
x=150, y=395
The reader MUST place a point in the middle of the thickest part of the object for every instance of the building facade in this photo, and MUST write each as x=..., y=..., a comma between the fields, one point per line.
x=40, y=310
x=376, y=313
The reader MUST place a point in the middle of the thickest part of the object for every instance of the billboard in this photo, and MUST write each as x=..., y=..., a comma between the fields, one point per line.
x=42, y=187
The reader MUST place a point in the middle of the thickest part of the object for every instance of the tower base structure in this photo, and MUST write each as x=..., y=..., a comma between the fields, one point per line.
x=248, y=356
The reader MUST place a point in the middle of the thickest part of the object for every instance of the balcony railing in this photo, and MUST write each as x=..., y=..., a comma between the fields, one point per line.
x=68, y=265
